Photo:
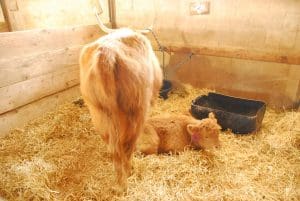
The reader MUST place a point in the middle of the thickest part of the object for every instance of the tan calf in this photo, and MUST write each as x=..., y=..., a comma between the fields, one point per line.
x=175, y=133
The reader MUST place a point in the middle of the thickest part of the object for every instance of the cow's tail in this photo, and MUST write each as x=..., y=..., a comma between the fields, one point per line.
x=123, y=93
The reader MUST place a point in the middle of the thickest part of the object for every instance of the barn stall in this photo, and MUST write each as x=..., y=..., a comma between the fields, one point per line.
x=248, y=49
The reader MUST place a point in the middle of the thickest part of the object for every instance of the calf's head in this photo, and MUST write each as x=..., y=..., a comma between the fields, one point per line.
x=205, y=133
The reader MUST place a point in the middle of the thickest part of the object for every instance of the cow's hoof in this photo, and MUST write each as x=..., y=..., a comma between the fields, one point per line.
x=119, y=190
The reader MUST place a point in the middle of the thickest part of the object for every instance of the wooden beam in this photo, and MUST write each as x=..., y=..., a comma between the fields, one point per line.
x=27, y=67
x=5, y=14
x=297, y=104
x=239, y=54
x=3, y=28
x=20, y=43
x=112, y=13
x=22, y=93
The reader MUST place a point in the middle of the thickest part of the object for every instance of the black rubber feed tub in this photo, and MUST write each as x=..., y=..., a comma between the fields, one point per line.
x=242, y=116
x=165, y=89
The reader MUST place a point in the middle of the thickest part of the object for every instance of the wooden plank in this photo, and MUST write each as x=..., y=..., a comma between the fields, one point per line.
x=22, y=93
x=112, y=13
x=21, y=43
x=236, y=77
x=22, y=115
x=239, y=53
x=25, y=68
x=32, y=14
x=3, y=5
x=3, y=27
x=297, y=104
x=292, y=85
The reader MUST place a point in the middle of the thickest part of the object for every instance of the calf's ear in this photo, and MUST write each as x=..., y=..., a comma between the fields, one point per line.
x=212, y=117
x=192, y=128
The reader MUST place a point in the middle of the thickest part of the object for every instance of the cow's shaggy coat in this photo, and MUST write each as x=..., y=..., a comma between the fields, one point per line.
x=120, y=76
x=175, y=133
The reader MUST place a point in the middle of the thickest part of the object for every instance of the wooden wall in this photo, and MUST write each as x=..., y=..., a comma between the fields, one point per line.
x=244, y=48
x=38, y=71
x=32, y=14
x=277, y=84
x=267, y=26
x=3, y=24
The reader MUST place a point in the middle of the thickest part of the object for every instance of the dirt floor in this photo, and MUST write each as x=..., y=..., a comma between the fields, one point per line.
x=60, y=157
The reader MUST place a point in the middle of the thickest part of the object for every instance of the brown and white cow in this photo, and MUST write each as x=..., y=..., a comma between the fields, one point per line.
x=119, y=78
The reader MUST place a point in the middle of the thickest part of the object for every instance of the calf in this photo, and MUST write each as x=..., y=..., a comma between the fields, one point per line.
x=119, y=78
x=175, y=133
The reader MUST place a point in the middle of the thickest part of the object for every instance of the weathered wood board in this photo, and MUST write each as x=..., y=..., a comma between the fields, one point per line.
x=39, y=70
x=34, y=65
x=22, y=43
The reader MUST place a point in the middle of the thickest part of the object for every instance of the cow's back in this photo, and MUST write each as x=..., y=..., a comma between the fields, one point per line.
x=121, y=69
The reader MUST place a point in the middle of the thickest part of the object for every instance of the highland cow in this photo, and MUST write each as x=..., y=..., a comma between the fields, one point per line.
x=120, y=77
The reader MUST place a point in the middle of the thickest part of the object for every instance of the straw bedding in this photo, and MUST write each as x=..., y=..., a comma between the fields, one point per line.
x=60, y=157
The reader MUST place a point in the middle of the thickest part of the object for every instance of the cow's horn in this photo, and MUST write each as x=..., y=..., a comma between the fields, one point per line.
x=145, y=31
x=109, y=30
x=101, y=25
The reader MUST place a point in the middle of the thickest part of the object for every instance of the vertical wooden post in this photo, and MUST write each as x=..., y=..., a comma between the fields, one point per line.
x=5, y=14
x=112, y=13
x=297, y=106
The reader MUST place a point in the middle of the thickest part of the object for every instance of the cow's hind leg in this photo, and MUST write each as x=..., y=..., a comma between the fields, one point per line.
x=122, y=163
x=121, y=175
x=124, y=131
x=120, y=159
x=128, y=152
x=133, y=132
x=129, y=148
